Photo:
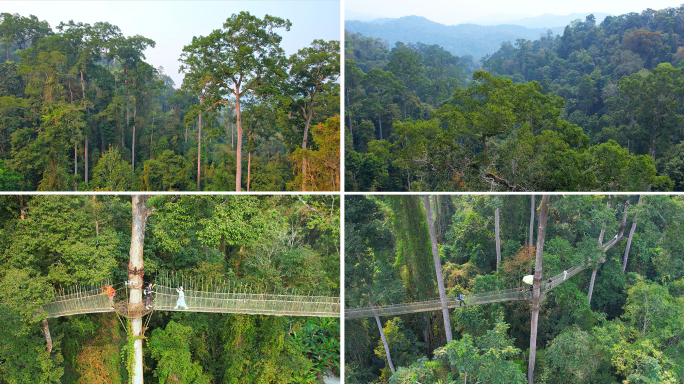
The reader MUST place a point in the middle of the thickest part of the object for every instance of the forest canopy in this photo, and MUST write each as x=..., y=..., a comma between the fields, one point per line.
x=81, y=109
x=597, y=108
x=50, y=243
x=619, y=320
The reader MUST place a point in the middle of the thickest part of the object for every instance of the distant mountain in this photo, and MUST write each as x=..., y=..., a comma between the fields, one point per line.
x=361, y=16
x=546, y=20
x=460, y=40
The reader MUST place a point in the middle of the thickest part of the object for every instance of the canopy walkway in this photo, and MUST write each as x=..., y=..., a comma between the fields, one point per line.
x=199, y=296
x=469, y=299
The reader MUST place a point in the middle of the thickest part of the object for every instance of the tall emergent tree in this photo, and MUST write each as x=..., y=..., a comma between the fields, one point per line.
x=243, y=57
x=135, y=271
x=312, y=68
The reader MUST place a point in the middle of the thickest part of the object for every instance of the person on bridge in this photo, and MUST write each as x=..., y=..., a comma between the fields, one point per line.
x=520, y=294
x=181, y=299
x=148, y=295
x=565, y=274
x=109, y=291
x=531, y=289
x=460, y=300
x=548, y=288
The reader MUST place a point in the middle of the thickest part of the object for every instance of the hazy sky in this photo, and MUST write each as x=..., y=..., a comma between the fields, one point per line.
x=172, y=24
x=452, y=12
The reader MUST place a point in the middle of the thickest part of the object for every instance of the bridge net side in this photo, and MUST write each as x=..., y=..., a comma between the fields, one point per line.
x=167, y=299
x=469, y=299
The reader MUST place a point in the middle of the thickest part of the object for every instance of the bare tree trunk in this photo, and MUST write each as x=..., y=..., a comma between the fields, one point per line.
x=529, y=243
x=238, y=172
x=304, y=141
x=48, y=338
x=629, y=240
x=593, y=273
x=497, y=235
x=135, y=275
x=438, y=219
x=85, y=158
x=199, y=148
x=543, y=214
x=384, y=342
x=249, y=168
x=438, y=269
x=76, y=159
x=135, y=112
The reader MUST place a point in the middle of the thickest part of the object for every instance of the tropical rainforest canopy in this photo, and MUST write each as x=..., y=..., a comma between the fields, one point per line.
x=598, y=108
x=48, y=243
x=80, y=109
x=621, y=320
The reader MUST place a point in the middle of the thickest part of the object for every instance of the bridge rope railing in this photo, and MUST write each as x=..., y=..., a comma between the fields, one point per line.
x=219, y=297
x=469, y=299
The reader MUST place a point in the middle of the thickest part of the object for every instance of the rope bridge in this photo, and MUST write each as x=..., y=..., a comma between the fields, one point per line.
x=199, y=296
x=469, y=299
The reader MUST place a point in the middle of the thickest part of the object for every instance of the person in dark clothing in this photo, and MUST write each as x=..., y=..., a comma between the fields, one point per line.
x=460, y=300
x=520, y=294
x=548, y=287
x=148, y=295
x=531, y=289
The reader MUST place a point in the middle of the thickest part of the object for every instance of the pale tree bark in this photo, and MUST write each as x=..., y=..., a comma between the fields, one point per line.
x=48, y=338
x=135, y=274
x=135, y=112
x=438, y=269
x=85, y=158
x=497, y=235
x=529, y=243
x=618, y=237
x=238, y=173
x=543, y=214
x=384, y=340
x=199, y=148
x=629, y=240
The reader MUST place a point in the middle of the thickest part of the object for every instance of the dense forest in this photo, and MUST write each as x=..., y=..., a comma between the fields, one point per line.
x=48, y=243
x=81, y=109
x=619, y=320
x=598, y=108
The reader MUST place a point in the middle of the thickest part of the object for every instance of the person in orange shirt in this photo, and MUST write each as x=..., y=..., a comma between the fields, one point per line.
x=110, y=292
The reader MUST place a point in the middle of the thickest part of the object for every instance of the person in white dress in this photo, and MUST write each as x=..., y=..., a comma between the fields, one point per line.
x=181, y=299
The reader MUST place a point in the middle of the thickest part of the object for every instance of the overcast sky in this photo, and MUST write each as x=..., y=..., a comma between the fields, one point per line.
x=452, y=12
x=172, y=24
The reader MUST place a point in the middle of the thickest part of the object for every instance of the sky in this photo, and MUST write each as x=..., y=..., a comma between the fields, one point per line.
x=172, y=24
x=451, y=12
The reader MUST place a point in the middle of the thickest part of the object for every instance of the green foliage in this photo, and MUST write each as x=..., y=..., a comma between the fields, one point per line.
x=320, y=340
x=171, y=349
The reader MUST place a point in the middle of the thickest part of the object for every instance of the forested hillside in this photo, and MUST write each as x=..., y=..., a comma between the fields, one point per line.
x=81, y=109
x=286, y=243
x=462, y=39
x=619, y=320
x=597, y=108
x=621, y=80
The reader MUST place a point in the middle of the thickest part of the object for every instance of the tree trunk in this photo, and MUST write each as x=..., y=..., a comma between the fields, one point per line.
x=529, y=243
x=438, y=269
x=593, y=273
x=384, y=342
x=541, y=232
x=238, y=172
x=438, y=219
x=48, y=338
x=304, y=141
x=76, y=159
x=199, y=149
x=249, y=168
x=85, y=158
x=135, y=275
x=498, y=236
x=135, y=112
x=629, y=241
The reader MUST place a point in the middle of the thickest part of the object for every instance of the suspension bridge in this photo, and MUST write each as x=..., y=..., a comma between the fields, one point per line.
x=469, y=299
x=200, y=295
